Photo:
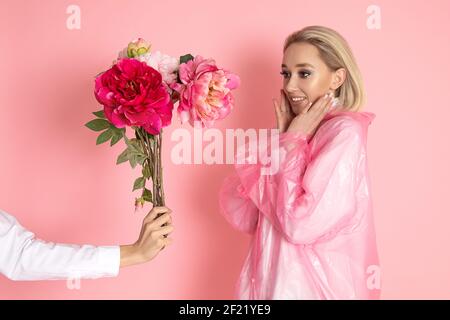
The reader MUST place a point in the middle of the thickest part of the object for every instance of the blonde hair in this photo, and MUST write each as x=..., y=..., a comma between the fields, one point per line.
x=336, y=53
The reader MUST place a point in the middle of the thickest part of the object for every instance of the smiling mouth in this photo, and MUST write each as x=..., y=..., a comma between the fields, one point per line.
x=296, y=100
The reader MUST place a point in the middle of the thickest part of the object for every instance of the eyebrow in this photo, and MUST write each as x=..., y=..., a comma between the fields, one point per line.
x=300, y=65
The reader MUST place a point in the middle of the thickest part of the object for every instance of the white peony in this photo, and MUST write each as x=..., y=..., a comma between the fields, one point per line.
x=165, y=64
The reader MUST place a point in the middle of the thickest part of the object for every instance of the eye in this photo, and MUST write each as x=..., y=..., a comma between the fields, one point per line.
x=304, y=74
x=284, y=74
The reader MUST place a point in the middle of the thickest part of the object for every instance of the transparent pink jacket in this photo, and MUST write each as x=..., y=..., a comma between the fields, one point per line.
x=311, y=221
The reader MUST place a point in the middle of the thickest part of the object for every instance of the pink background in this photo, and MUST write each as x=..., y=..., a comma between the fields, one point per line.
x=62, y=186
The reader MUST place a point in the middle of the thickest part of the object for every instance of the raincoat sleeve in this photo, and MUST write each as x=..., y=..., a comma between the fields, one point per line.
x=311, y=195
x=23, y=257
x=235, y=205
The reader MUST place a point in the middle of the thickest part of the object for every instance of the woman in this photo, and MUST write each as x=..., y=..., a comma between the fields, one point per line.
x=311, y=221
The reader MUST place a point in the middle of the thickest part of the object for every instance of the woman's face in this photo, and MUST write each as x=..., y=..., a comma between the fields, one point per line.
x=306, y=76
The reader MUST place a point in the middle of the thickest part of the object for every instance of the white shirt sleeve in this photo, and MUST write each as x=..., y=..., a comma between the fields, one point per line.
x=22, y=257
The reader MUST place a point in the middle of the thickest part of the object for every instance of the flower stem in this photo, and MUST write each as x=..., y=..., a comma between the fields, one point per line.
x=153, y=149
x=161, y=171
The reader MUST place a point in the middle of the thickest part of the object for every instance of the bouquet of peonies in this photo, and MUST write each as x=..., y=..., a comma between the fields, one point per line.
x=140, y=91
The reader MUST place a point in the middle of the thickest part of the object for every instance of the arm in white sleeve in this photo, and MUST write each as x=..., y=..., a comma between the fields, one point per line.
x=22, y=257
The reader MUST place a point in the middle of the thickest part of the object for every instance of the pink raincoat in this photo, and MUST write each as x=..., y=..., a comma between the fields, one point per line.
x=311, y=221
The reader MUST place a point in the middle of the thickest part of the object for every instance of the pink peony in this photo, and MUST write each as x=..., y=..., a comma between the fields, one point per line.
x=205, y=92
x=132, y=94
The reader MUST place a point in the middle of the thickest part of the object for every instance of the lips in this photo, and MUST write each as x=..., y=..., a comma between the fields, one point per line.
x=297, y=99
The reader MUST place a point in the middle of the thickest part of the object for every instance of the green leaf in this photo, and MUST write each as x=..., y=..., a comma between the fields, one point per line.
x=133, y=151
x=117, y=135
x=100, y=114
x=104, y=136
x=115, y=139
x=133, y=160
x=186, y=58
x=98, y=124
x=147, y=195
x=127, y=141
x=123, y=157
x=146, y=172
x=135, y=147
x=119, y=132
x=140, y=159
x=139, y=183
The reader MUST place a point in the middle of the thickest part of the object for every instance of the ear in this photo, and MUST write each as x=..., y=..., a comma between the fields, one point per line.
x=338, y=78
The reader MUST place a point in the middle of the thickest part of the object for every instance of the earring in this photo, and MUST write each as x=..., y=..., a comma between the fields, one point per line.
x=335, y=102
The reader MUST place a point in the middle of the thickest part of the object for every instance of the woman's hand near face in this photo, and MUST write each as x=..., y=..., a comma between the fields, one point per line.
x=283, y=112
x=308, y=120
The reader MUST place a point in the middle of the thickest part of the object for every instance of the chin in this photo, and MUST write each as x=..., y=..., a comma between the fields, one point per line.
x=296, y=111
x=293, y=109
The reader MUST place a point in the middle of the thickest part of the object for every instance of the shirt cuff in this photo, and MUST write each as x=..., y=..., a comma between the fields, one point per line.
x=109, y=260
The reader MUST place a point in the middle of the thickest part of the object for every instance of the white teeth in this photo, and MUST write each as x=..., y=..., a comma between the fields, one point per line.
x=298, y=99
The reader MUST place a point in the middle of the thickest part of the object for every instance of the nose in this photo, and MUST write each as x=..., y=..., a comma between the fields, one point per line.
x=291, y=85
